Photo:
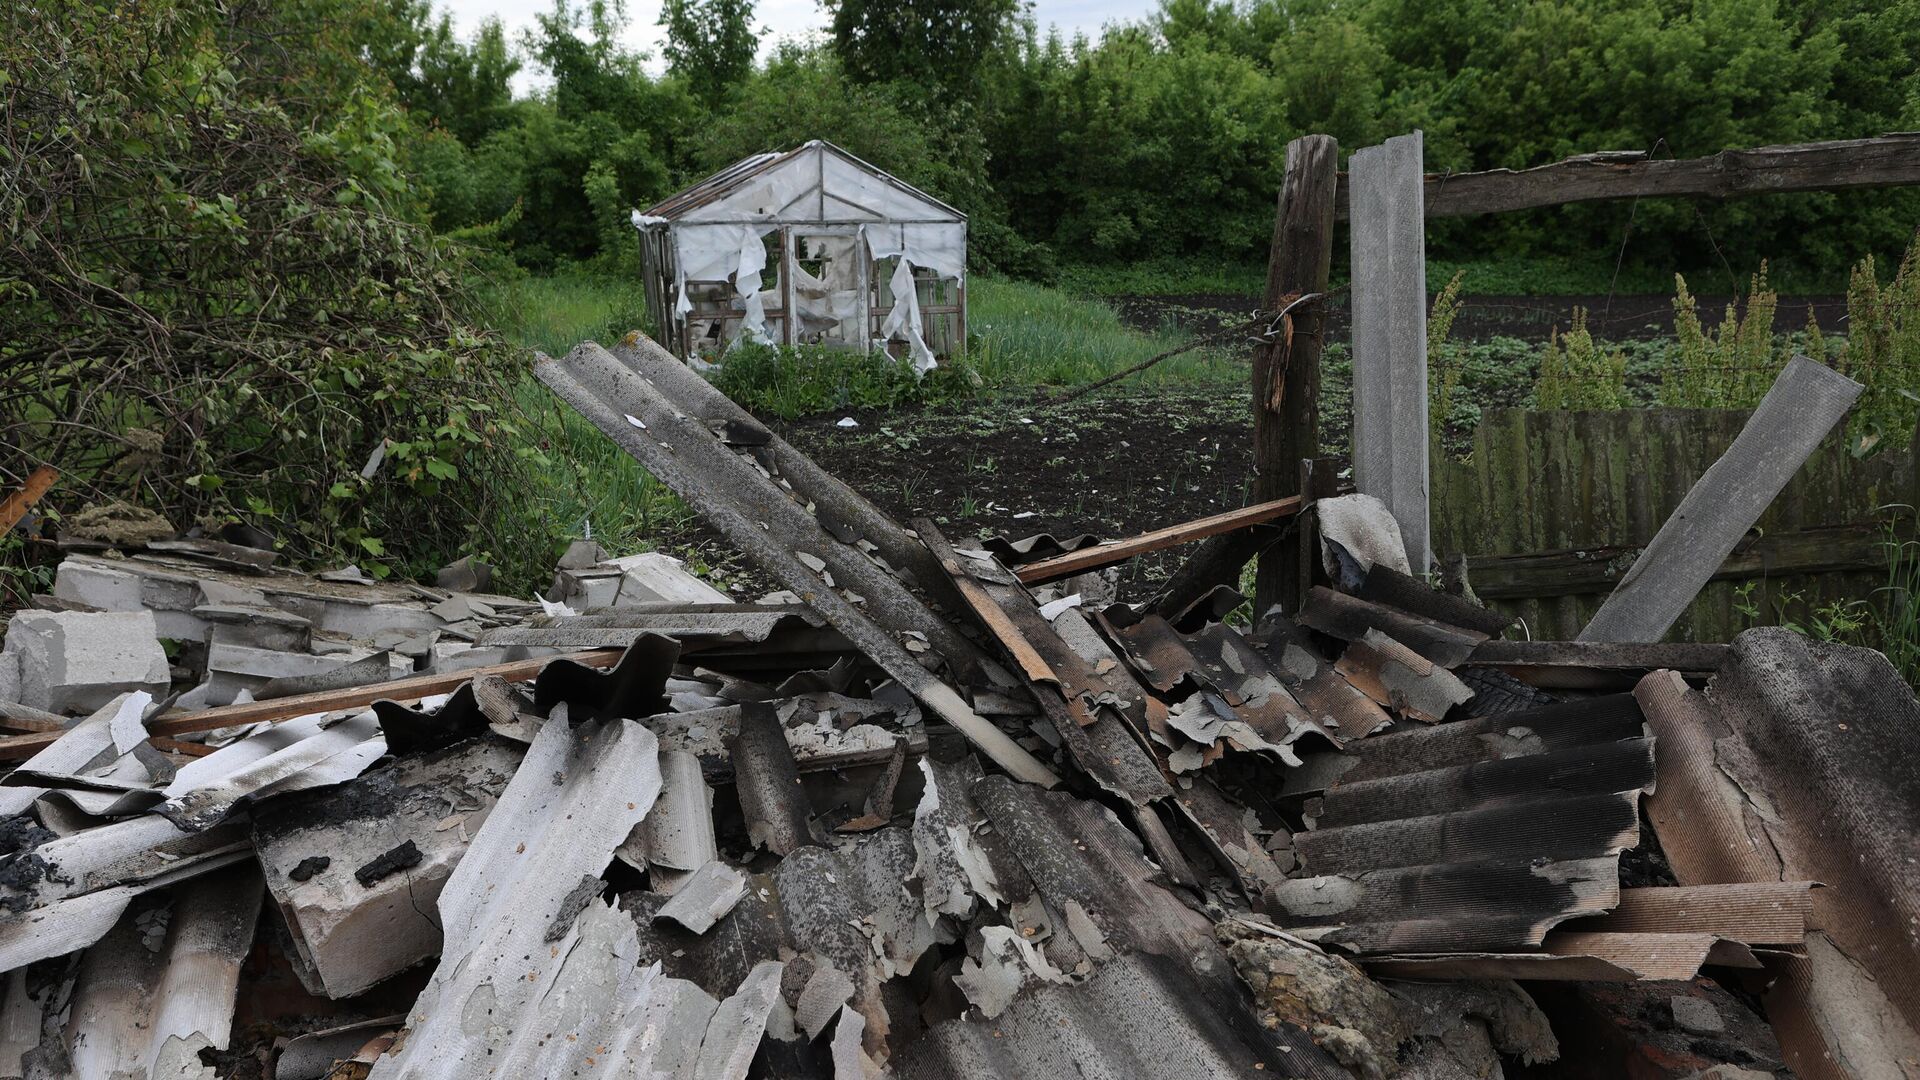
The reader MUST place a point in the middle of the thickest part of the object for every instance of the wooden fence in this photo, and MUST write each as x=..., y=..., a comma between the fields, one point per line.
x=1553, y=506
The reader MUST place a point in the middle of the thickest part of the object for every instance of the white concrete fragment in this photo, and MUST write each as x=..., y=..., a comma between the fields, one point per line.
x=349, y=935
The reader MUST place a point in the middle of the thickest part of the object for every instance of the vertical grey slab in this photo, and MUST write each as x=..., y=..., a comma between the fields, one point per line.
x=1389, y=250
x=1806, y=401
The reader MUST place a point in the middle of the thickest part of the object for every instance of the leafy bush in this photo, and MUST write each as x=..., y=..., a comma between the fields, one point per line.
x=221, y=306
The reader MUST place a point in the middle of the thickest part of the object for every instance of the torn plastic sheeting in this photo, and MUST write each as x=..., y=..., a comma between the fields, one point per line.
x=717, y=252
x=827, y=304
x=940, y=248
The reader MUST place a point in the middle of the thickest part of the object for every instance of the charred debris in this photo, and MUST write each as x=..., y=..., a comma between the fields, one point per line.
x=941, y=808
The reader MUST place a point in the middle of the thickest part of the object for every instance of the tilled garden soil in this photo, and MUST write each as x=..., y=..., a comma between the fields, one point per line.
x=1110, y=465
x=1530, y=318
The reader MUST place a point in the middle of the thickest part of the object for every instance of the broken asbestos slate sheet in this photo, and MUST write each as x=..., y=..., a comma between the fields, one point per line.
x=911, y=817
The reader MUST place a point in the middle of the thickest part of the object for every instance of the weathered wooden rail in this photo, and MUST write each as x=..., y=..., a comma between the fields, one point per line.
x=1838, y=165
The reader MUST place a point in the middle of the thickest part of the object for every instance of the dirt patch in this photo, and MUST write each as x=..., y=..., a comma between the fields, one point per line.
x=1112, y=465
x=1529, y=318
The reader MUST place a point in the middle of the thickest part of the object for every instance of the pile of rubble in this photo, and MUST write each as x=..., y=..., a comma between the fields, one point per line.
x=941, y=808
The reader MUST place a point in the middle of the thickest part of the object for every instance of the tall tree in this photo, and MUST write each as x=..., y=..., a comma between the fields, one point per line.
x=710, y=44
x=937, y=44
x=464, y=87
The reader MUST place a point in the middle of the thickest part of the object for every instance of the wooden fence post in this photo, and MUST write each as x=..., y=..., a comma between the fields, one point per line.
x=1286, y=372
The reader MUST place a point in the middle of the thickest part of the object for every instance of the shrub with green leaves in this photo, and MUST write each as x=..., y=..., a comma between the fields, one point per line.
x=219, y=301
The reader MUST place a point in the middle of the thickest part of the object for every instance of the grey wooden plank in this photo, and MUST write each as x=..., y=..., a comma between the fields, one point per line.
x=1390, y=336
x=1806, y=401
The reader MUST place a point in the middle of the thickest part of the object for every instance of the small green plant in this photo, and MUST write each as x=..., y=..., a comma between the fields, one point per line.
x=1732, y=366
x=1897, y=610
x=1443, y=356
x=1883, y=350
x=1577, y=373
x=1842, y=621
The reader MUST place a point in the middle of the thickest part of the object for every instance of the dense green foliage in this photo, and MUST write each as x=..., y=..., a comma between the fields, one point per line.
x=220, y=300
x=1164, y=141
x=710, y=44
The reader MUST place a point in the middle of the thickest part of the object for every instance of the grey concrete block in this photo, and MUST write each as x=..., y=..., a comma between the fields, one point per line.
x=363, y=621
x=9, y=677
x=256, y=626
x=109, y=588
x=232, y=668
x=76, y=662
x=582, y=554
x=583, y=589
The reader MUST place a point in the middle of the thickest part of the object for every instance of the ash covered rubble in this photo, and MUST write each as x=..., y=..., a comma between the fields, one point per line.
x=919, y=816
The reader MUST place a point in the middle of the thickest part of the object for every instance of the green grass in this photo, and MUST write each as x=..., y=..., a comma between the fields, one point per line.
x=553, y=314
x=1028, y=335
x=1164, y=277
x=581, y=481
x=1023, y=335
